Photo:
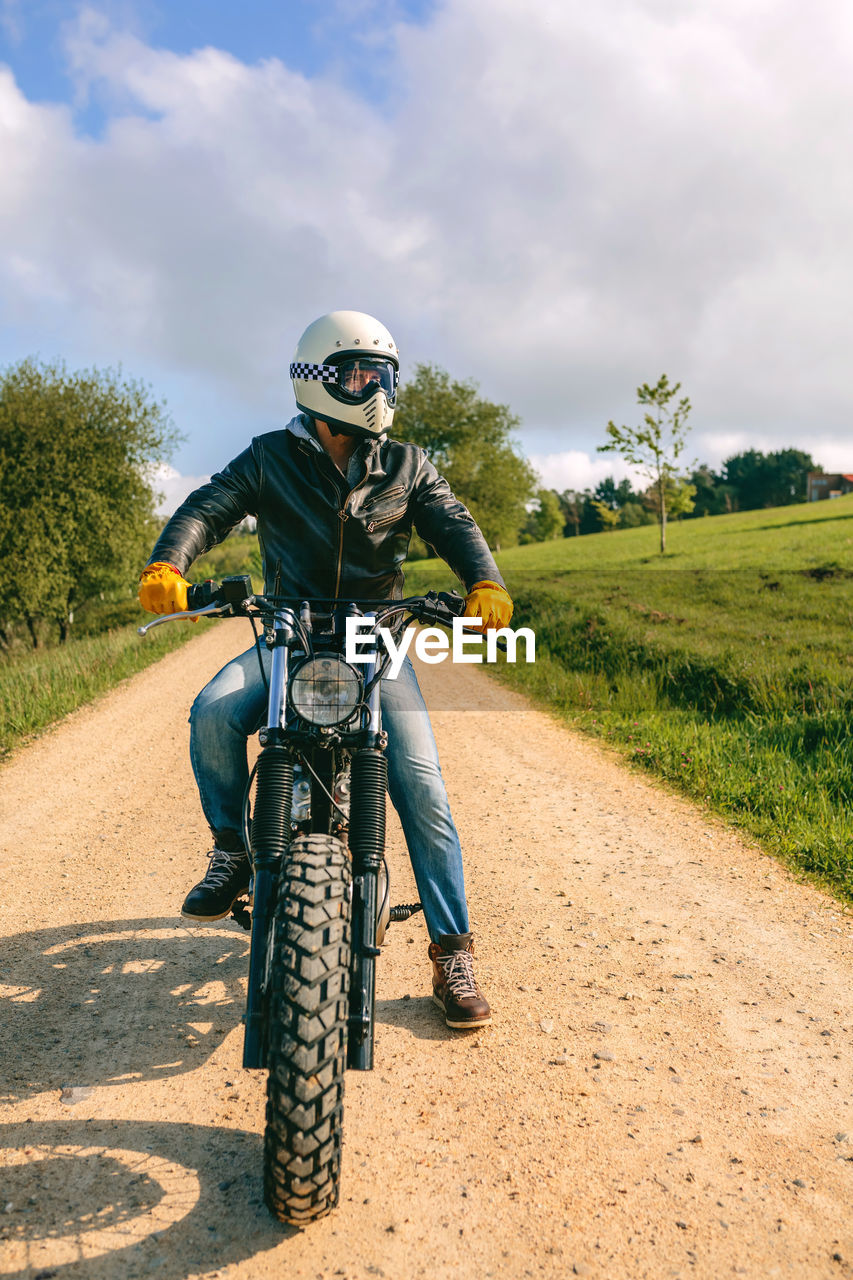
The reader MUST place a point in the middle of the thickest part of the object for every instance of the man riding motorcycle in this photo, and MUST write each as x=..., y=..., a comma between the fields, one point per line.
x=335, y=501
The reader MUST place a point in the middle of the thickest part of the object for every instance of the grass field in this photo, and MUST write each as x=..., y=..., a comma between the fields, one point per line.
x=808, y=535
x=725, y=667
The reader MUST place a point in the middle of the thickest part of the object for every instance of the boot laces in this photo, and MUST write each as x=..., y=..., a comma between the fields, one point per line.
x=458, y=968
x=223, y=865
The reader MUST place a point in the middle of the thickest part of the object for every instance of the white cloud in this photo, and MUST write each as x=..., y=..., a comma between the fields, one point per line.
x=561, y=201
x=574, y=469
x=172, y=487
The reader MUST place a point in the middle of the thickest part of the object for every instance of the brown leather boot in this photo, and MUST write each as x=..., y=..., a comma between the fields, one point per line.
x=453, y=987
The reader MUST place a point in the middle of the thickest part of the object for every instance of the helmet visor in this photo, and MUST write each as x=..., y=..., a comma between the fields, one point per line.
x=360, y=377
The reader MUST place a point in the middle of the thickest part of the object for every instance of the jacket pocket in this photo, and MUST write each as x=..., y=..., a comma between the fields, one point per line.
x=389, y=517
x=383, y=495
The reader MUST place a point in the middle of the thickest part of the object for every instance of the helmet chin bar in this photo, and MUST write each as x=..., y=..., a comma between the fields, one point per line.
x=374, y=412
x=339, y=428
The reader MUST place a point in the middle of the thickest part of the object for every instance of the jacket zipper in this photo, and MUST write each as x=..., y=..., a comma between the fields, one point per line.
x=343, y=516
x=386, y=519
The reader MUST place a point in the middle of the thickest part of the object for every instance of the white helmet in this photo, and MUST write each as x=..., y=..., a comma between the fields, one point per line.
x=345, y=372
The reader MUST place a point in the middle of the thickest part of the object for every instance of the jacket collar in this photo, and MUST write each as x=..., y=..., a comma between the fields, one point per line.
x=368, y=451
x=300, y=426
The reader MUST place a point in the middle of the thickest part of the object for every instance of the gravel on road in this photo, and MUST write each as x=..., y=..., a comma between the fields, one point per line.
x=666, y=1089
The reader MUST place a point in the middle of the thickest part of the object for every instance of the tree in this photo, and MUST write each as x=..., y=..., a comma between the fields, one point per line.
x=613, y=494
x=545, y=520
x=608, y=516
x=769, y=480
x=679, y=493
x=77, y=507
x=634, y=514
x=656, y=445
x=571, y=505
x=789, y=472
x=470, y=441
x=617, y=506
x=713, y=496
x=579, y=511
x=681, y=498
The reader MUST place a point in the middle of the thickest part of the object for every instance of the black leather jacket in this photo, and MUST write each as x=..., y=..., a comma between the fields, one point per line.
x=325, y=538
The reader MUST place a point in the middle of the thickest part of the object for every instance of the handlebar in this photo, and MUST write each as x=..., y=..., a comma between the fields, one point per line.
x=234, y=596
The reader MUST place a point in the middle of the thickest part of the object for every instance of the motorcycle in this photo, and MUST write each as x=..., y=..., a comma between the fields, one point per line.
x=318, y=904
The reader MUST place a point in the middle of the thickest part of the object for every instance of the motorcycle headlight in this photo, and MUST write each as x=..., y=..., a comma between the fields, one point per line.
x=325, y=690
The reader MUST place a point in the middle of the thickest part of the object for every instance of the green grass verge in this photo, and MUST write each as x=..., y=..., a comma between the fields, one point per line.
x=40, y=687
x=735, y=685
x=743, y=702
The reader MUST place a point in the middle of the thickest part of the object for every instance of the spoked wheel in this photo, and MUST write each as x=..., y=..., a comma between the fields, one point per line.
x=309, y=981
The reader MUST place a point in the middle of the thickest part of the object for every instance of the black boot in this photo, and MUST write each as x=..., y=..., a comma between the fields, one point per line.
x=213, y=897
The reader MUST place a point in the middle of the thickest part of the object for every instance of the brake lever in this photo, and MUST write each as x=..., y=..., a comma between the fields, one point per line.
x=222, y=610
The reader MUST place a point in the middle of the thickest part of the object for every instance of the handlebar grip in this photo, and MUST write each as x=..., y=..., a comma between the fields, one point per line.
x=201, y=594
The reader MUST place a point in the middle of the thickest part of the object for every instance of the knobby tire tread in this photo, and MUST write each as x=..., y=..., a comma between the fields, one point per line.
x=309, y=984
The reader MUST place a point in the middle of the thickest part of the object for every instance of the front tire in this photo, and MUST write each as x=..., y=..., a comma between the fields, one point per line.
x=309, y=982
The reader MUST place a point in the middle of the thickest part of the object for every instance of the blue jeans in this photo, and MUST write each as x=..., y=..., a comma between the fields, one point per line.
x=233, y=706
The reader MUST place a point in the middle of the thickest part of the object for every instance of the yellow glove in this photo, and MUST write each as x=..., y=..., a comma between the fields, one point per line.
x=490, y=602
x=162, y=589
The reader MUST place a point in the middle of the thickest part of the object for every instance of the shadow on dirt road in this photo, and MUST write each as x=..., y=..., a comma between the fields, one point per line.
x=116, y=1002
x=106, y=1198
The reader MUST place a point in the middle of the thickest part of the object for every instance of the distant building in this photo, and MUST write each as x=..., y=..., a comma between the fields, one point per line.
x=827, y=486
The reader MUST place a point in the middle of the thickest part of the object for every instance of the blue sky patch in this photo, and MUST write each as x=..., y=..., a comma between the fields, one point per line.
x=352, y=41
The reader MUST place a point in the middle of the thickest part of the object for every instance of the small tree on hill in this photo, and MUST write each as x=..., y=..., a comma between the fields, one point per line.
x=77, y=508
x=655, y=445
x=679, y=494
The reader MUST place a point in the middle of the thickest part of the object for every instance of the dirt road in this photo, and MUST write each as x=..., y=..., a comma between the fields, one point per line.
x=666, y=1090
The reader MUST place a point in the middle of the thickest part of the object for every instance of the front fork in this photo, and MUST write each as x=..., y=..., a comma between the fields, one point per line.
x=367, y=845
x=368, y=786
x=270, y=837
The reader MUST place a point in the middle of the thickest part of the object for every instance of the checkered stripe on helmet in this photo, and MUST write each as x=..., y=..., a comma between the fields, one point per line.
x=313, y=372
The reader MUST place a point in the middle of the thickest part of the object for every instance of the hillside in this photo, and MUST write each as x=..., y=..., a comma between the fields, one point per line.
x=803, y=536
x=724, y=667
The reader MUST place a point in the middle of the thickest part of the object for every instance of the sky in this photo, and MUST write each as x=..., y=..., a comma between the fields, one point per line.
x=560, y=202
